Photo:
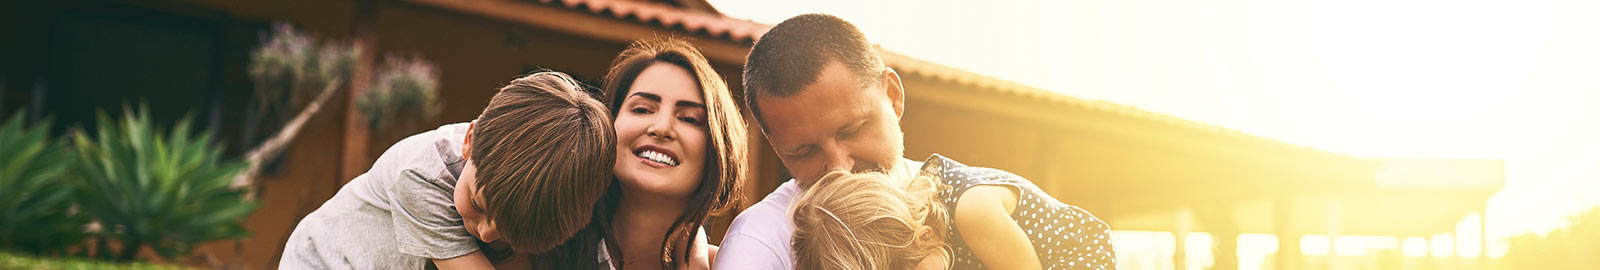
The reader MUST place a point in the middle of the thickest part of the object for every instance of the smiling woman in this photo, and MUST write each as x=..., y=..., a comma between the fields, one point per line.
x=681, y=143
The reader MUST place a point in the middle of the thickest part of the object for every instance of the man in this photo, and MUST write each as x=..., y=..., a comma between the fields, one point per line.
x=826, y=102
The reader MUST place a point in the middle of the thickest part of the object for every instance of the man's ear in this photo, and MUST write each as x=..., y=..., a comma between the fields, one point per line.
x=896, y=91
x=466, y=143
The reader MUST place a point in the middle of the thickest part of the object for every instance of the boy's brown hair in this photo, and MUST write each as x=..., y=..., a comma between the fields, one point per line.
x=544, y=149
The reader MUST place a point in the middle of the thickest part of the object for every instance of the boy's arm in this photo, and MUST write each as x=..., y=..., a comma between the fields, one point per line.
x=474, y=260
x=425, y=221
x=984, y=212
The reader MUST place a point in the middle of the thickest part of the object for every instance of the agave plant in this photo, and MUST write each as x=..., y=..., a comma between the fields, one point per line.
x=165, y=190
x=36, y=214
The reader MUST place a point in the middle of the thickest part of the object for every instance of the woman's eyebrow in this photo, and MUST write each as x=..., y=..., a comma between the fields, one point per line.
x=691, y=104
x=646, y=95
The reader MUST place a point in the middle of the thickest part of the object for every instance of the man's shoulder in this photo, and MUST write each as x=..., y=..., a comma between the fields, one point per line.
x=759, y=236
x=772, y=210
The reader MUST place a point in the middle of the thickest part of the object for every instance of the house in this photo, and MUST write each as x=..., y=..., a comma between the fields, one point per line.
x=1136, y=169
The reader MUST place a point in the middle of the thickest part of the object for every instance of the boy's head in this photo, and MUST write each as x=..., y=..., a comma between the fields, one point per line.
x=866, y=221
x=537, y=160
x=824, y=98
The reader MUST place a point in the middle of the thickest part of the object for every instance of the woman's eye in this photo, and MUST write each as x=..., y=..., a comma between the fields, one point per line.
x=690, y=120
x=640, y=110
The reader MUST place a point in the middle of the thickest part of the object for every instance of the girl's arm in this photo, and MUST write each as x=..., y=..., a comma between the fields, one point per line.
x=983, y=217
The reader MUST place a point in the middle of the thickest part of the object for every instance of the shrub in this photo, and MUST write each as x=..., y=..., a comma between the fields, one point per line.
x=36, y=214
x=167, y=190
x=407, y=88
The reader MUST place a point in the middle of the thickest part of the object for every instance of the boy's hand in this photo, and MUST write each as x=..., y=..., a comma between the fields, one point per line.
x=474, y=260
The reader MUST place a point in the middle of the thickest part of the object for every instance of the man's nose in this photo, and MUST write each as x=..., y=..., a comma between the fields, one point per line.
x=839, y=160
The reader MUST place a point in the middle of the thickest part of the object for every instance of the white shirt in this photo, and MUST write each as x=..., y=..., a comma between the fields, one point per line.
x=759, y=236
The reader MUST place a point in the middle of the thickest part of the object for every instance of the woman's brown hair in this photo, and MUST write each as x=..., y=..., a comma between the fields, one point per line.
x=543, y=148
x=863, y=222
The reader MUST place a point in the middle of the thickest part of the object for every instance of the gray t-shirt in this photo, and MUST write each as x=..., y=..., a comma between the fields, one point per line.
x=398, y=215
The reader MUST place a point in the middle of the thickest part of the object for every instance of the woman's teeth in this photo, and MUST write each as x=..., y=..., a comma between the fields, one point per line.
x=658, y=157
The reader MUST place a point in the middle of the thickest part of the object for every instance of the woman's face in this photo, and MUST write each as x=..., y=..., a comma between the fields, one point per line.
x=661, y=133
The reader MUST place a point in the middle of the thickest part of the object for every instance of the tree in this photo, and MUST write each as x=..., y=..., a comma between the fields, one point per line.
x=1573, y=247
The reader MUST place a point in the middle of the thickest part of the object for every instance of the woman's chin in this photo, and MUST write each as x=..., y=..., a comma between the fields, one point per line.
x=655, y=184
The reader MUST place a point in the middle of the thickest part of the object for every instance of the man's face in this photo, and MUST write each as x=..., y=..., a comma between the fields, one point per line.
x=836, y=123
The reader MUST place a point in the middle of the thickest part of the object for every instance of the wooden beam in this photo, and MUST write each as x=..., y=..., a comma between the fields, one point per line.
x=1309, y=167
x=354, y=159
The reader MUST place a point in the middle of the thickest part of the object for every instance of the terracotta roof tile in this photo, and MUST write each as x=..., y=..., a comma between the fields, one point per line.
x=666, y=16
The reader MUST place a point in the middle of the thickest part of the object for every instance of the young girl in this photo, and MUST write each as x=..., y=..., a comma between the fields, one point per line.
x=876, y=221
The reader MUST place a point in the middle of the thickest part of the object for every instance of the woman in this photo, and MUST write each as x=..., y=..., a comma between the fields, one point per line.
x=680, y=156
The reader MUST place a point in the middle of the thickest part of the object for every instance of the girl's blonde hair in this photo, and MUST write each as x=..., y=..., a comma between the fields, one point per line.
x=864, y=221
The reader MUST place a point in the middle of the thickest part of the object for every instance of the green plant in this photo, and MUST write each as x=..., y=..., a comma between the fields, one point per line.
x=12, y=261
x=294, y=72
x=291, y=66
x=297, y=72
x=167, y=190
x=36, y=214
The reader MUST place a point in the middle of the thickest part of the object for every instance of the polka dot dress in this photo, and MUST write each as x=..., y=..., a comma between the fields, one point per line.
x=1063, y=236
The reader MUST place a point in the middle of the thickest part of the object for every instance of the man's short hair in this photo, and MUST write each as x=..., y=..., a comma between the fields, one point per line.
x=792, y=54
x=544, y=149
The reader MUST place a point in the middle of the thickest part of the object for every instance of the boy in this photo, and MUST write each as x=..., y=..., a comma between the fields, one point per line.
x=527, y=171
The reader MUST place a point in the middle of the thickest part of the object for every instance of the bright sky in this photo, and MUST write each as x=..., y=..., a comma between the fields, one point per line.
x=1517, y=80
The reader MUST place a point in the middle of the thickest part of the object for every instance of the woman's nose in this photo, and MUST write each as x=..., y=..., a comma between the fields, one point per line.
x=661, y=128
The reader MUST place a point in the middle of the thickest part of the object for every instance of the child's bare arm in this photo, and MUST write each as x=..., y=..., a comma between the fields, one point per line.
x=474, y=260
x=983, y=216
